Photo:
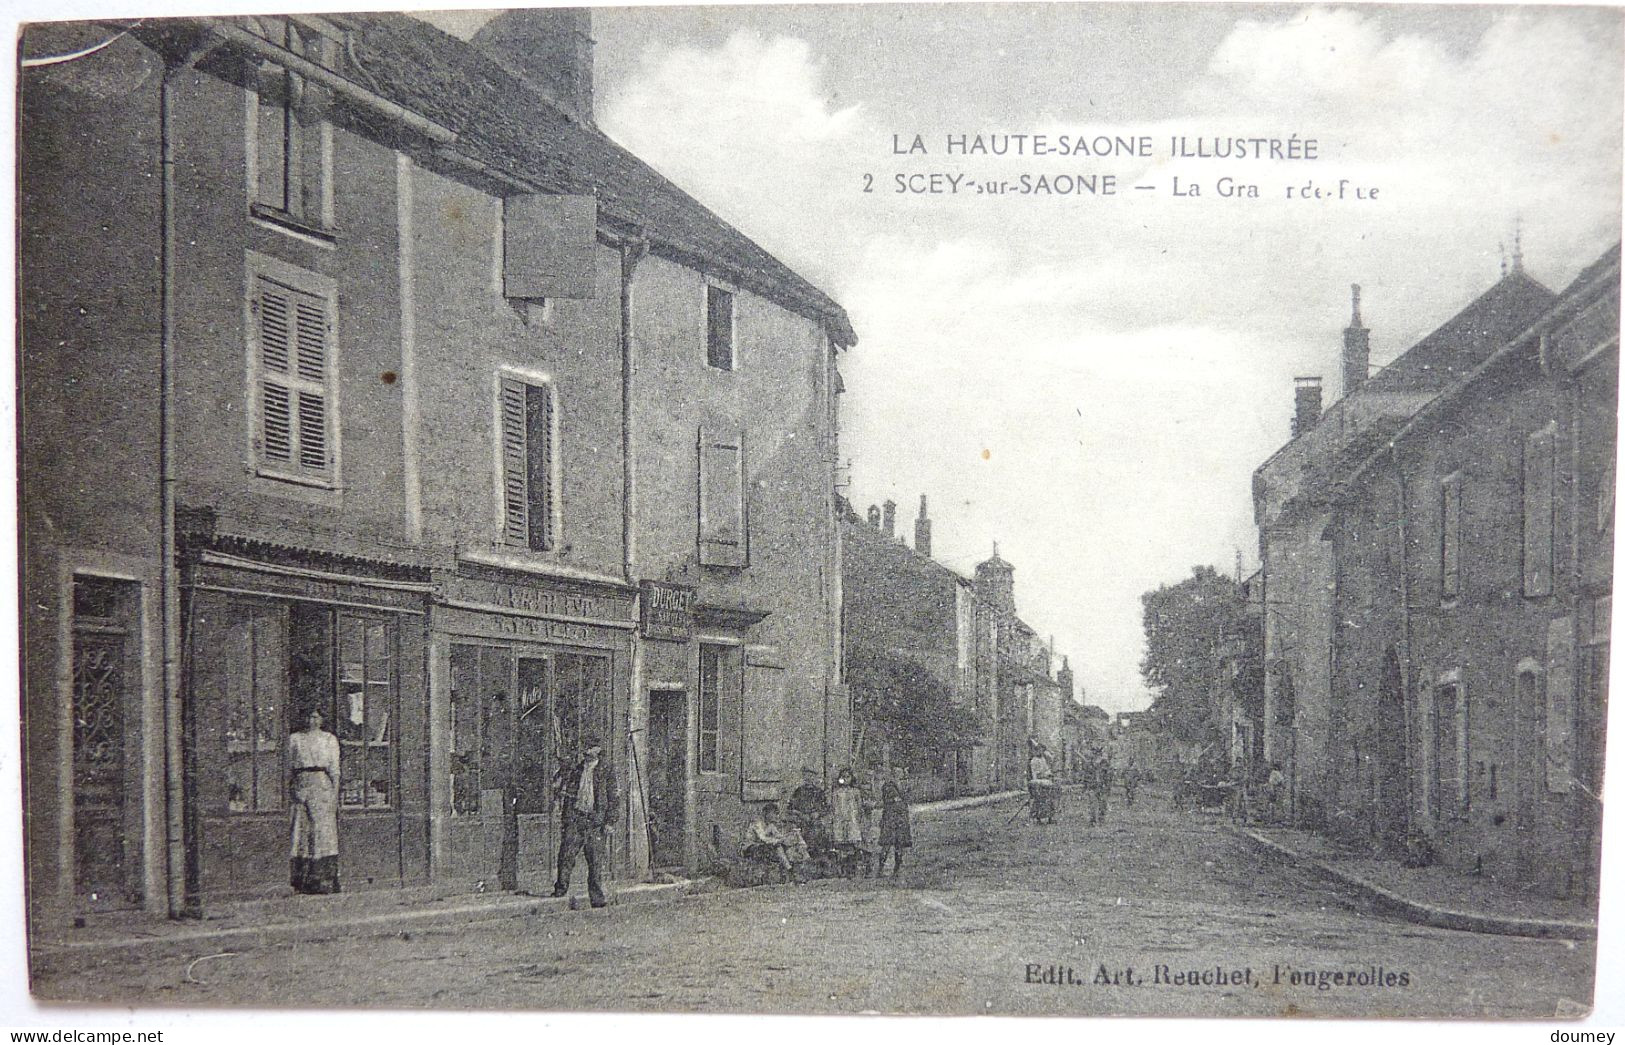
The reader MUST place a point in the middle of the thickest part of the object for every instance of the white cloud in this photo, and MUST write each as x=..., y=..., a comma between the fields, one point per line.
x=1126, y=362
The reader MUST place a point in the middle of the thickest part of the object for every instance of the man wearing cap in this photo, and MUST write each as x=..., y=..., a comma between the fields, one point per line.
x=588, y=799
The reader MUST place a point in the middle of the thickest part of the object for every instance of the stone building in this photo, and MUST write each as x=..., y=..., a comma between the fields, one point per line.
x=419, y=402
x=1292, y=501
x=1473, y=574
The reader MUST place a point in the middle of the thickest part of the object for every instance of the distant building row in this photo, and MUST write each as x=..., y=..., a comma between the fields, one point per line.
x=901, y=606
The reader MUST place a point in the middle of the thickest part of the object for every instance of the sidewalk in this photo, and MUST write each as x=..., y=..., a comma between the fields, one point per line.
x=1437, y=896
x=257, y=922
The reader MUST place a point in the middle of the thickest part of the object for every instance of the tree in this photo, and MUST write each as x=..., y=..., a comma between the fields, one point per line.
x=896, y=701
x=1186, y=628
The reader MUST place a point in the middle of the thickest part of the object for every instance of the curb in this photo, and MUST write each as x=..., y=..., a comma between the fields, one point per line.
x=1429, y=914
x=947, y=805
x=496, y=908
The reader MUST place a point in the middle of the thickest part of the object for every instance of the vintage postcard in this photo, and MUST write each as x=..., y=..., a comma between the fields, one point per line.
x=934, y=509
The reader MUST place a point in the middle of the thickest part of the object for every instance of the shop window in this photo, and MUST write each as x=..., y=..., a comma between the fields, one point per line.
x=723, y=526
x=293, y=366
x=719, y=328
x=366, y=701
x=1539, y=467
x=710, y=707
x=528, y=470
x=255, y=662
x=293, y=143
x=1450, y=538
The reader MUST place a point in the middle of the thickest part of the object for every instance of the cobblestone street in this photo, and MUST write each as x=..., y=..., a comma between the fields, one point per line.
x=988, y=906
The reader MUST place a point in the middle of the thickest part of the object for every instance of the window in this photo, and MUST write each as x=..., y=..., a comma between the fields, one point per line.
x=366, y=696
x=527, y=463
x=292, y=141
x=711, y=666
x=292, y=362
x=723, y=536
x=1539, y=466
x=254, y=658
x=719, y=327
x=1450, y=537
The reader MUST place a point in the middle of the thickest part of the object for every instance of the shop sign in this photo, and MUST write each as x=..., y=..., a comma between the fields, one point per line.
x=668, y=611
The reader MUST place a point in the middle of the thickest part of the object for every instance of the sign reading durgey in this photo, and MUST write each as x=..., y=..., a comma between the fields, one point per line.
x=668, y=611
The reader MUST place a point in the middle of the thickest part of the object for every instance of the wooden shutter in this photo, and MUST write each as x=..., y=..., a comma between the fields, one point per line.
x=293, y=360
x=539, y=464
x=1560, y=705
x=1539, y=466
x=1450, y=537
x=515, y=463
x=763, y=729
x=723, y=529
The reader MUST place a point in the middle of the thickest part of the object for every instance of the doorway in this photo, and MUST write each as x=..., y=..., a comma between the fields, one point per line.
x=668, y=776
x=1393, y=779
x=106, y=824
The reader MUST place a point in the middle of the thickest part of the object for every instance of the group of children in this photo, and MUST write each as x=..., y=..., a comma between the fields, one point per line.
x=853, y=829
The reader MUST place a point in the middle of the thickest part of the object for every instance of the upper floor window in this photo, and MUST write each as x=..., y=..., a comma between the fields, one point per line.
x=1450, y=537
x=292, y=362
x=1539, y=468
x=293, y=144
x=527, y=463
x=719, y=327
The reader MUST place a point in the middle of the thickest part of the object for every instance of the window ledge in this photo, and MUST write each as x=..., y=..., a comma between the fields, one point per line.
x=288, y=223
x=296, y=479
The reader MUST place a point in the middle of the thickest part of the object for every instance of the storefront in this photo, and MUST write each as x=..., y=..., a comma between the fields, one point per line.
x=267, y=641
x=524, y=669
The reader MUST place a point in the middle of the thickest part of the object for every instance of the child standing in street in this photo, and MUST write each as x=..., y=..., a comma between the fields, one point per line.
x=896, y=833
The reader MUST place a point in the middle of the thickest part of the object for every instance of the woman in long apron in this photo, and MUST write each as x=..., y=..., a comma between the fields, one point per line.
x=313, y=786
x=896, y=834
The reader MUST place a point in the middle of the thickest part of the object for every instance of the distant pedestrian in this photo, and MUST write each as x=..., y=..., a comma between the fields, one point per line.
x=1097, y=782
x=1042, y=791
x=588, y=799
x=848, y=827
x=896, y=833
x=1131, y=783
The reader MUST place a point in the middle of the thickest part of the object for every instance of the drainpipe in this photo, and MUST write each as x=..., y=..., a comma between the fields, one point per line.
x=632, y=250
x=1406, y=681
x=181, y=904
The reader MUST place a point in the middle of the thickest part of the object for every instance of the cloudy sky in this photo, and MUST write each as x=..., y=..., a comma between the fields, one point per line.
x=1090, y=382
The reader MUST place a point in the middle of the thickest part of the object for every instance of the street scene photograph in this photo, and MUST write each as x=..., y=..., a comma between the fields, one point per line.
x=975, y=509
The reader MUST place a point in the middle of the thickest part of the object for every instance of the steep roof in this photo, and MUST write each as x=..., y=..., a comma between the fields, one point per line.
x=506, y=124
x=1467, y=338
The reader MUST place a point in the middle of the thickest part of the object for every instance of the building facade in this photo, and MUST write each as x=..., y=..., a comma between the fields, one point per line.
x=1473, y=586
x=430, y=409
x=1292, y=500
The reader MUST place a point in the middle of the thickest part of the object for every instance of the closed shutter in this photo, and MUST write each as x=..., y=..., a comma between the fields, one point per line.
x=294, y=364
x=764, y=729
x=515, y=463
x=723, y=534
x=1539, y=467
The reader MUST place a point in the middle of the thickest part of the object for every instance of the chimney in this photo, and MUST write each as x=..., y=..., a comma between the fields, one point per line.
x=1307, y=398
x=548, y=48
x=922, y=531
x=1356, y=350
x=888, y=518
x=874, y=516
x=996, y=584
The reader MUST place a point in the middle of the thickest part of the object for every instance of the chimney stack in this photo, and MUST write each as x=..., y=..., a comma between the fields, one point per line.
x=888, y=518
x=1306, y=395
x=922, y=531
x=874, y=516
x=551, y=49
x=1356, y=350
